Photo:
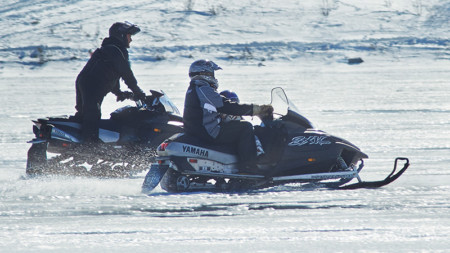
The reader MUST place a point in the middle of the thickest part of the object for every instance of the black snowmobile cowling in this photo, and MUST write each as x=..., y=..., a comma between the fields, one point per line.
x=295, y=152
x=128, y=141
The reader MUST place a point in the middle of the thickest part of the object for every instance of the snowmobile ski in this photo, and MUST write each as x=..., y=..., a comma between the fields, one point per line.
x=376, y=184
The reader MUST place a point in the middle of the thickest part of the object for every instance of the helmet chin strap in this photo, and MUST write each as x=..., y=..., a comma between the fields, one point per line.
x=213, y=82
x=215, y=85
x=125, y=40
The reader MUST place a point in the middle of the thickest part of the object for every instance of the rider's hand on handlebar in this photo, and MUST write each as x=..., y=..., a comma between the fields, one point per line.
x=139, y=96
x=263, y=111
x=124, y=95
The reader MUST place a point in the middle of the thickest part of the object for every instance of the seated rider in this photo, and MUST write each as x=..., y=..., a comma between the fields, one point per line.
x=101, y=75
x=202, y=109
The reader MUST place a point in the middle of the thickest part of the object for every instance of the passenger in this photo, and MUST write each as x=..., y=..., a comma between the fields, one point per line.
x=101, y=75
x=233, y=97
x=202, y=109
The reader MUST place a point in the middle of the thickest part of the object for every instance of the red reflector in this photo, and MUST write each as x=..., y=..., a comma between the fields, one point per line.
x=193, y=160
x=160, y=161
x=65, y=144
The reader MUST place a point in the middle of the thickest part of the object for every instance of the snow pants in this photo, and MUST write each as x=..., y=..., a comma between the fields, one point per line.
x=88, y=106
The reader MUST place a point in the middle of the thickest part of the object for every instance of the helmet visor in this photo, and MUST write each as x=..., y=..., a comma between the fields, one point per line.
x=213, y=65
x=132, y=29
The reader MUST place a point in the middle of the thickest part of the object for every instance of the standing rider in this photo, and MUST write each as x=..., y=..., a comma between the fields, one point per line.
x=203, y=107
x=101, y=75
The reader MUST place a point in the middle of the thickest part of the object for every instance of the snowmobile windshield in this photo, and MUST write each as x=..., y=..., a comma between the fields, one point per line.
x=157, y=101
x=284, y=108
x=281, y=103
x=168, y=104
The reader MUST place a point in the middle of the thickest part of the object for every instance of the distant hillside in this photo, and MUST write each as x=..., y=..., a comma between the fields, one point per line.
x=248, y=31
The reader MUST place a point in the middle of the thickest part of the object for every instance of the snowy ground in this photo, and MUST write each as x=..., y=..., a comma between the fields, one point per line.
x=394, y=104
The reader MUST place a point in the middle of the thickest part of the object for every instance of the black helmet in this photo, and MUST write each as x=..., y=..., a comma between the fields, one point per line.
x=119, y=30
x=203, y=67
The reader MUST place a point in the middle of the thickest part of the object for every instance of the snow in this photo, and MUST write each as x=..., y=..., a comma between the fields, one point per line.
x=64, y=31
x=393, y=104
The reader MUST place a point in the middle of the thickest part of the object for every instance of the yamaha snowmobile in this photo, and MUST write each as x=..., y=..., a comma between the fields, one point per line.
x=128, y=140
x=295, y=152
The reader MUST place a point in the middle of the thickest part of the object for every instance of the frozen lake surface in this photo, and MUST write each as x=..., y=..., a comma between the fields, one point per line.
x=388, y=110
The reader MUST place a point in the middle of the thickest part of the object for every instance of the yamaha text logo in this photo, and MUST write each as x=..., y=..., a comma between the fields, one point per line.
x=309, y=140
x=195, y=151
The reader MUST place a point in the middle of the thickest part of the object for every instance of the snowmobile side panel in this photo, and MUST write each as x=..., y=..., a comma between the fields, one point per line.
x=187, y=150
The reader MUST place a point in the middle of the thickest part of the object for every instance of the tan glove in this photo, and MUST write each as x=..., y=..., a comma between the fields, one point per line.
x=262, y=110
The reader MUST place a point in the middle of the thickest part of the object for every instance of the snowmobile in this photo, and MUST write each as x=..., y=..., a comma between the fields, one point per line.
x=295, y=152
x=128, y=140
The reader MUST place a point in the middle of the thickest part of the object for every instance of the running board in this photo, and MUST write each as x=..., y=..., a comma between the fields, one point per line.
x=226, y=175
x=319, y=176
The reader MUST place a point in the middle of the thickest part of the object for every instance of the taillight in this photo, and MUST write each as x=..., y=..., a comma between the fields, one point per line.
x=163, y=146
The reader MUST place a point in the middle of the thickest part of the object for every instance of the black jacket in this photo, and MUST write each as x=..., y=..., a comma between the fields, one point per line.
x=202, y=109
x=104, y=69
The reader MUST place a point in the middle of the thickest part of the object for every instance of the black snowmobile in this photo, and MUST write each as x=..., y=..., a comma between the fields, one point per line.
x=295, y=152
x=128, y=141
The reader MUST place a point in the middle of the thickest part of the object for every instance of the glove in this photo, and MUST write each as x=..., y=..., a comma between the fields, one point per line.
x=124, y=95
x=263, y=111
x=139, y=95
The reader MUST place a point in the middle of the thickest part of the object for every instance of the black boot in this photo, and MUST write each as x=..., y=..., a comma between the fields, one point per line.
x=255, y=169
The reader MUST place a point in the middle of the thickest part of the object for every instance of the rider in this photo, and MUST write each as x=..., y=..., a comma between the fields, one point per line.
x=203, y=106
x=101, y=75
